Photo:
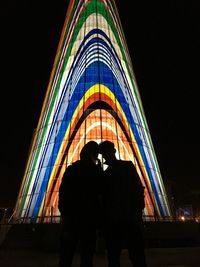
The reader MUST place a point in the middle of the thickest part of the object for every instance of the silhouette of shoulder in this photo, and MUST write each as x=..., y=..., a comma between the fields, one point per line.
x=67, y=187
x=121, y=167
x=126, y=174
x=79, y=185
x=126, y=164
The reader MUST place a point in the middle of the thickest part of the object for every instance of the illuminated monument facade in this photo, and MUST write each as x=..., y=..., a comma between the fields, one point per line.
x=92, y=95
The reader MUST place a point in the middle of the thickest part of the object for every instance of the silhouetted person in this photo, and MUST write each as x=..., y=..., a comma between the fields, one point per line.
x=123, y=206
x=79, y=207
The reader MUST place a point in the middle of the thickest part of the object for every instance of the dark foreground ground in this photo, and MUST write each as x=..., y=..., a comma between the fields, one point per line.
x=165, y=257
x=166, y=244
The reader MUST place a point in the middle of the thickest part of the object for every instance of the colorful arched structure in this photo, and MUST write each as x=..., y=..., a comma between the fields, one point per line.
x=92, y=95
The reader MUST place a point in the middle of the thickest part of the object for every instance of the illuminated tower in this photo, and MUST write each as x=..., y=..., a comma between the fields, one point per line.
x=92, y=95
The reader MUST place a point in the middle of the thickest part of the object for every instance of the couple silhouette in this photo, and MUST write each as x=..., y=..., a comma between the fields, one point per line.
x=93, y=200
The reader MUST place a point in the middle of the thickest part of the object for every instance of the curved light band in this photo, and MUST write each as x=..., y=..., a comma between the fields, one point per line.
x=92, y=82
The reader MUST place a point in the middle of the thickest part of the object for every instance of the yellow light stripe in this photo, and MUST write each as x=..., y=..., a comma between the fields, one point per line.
x=91, y=91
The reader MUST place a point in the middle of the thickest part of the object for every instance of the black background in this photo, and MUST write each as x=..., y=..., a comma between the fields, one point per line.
x=163, y=41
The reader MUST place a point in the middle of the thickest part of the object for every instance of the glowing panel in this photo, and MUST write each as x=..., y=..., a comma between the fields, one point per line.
x=92, y=95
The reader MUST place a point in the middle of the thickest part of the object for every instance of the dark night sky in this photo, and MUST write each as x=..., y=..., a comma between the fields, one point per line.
x=163, y=41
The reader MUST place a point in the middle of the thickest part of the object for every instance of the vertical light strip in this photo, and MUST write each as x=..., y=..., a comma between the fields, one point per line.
x=92, y=72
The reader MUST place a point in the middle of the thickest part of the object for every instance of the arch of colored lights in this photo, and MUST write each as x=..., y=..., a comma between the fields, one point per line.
x=92, y=95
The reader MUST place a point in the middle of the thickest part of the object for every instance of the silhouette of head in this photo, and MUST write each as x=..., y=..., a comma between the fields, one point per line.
x=107, y=149
x=90, y=151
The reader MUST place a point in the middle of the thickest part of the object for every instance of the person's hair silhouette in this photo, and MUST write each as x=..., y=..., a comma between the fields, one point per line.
x=123, y=205
x=90, y=151
x=107, y=149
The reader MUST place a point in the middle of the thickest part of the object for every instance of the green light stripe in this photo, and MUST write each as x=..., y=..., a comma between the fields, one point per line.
x=90, y=9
